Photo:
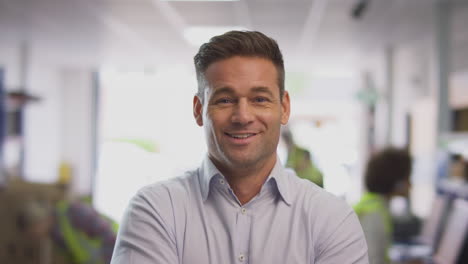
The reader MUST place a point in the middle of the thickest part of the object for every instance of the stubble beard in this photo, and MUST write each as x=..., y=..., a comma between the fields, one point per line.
x=250, y=160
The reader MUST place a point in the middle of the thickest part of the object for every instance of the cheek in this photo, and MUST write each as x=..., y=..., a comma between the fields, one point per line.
x=270, y=117
x=218, y=117
x=213, y=123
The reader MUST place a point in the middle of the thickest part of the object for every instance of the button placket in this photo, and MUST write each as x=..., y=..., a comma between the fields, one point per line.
x=243, y=235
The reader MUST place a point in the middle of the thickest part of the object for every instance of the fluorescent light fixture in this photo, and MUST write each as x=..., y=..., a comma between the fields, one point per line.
x=199, y=35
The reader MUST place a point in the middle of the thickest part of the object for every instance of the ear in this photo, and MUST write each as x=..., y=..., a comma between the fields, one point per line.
x=198, y=110
x=286, y=108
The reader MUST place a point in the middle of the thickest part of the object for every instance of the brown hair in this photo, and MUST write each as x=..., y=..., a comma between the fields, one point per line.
x=386, y=169
x=238, y=43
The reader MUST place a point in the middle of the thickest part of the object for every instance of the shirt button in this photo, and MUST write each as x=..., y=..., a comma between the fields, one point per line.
x=221, y=181
x=241, y=258
x=243, y=210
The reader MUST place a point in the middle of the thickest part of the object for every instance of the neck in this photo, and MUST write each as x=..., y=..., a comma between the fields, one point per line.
x=247, y=182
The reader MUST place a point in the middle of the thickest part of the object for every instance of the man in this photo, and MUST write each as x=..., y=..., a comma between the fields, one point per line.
x=240, y=205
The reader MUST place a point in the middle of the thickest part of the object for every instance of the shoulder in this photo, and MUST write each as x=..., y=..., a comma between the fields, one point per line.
x=315, y=199
x=330, y=217
x=148, y=231
x=165, y=199
x=335, y=229
x=159, y=205
x=169, y=192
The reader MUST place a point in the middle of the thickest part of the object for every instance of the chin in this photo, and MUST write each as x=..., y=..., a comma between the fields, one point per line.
x=239, y=160
x=244, y=161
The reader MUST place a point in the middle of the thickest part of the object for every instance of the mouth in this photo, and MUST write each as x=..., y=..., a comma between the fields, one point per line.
x=240, y=135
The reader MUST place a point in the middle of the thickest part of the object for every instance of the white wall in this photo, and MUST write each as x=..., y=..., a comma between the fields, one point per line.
x=415, y=82
x=76, y=143
x=58, y=127
x=42, y=126
x=10, y=62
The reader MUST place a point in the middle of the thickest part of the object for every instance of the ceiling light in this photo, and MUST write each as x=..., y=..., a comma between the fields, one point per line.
x=199, y=35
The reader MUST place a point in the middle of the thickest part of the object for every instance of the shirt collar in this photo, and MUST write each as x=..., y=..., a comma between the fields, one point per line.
x=278, y=175
x=207, y=171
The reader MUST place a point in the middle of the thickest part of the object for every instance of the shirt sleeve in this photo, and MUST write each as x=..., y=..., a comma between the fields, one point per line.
x=345, y=241
x=146, y=234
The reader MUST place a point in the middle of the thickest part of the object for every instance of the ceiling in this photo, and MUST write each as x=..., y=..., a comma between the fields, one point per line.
x=312, y=33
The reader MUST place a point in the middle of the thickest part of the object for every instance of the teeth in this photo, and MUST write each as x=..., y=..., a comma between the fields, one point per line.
x=240, y=135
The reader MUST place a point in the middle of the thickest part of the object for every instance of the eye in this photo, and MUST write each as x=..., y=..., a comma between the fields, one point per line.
x=261, y=99
x=224, y=101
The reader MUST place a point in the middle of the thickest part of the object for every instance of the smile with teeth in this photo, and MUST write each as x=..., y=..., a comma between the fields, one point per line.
x=241, y=136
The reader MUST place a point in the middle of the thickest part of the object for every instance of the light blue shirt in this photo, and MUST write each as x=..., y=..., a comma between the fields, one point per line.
x=197, y=219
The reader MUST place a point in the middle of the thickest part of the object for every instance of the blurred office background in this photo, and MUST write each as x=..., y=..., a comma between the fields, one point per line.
x=100, y=91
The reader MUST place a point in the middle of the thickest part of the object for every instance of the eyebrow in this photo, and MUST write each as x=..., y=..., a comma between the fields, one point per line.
x=262, y=89
x=229, y=90
x=222, y=90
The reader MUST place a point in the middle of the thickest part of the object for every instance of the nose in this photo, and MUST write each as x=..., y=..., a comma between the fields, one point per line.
x=242, y=113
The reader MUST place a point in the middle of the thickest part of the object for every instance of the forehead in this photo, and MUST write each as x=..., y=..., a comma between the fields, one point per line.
x=241, y=73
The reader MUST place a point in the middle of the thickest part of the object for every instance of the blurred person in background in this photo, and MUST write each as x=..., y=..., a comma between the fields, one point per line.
x=241, y=205
x=458, y=170
x=387, y=175
x=79, y=233
x=300, y=160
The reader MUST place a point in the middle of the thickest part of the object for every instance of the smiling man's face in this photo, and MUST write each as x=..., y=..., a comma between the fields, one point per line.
x=242, y=112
